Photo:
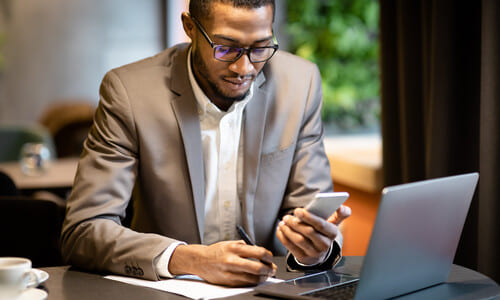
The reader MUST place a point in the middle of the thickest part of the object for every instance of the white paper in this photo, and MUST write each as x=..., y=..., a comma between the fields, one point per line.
x=188, y=285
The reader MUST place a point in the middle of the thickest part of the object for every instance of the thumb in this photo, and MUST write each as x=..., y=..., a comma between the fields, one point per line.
x=340, y=215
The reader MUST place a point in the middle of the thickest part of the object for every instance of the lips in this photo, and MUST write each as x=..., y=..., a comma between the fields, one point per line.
x=237, y=82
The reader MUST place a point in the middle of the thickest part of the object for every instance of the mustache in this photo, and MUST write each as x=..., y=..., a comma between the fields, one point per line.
x=239, y=77
x=231, y=74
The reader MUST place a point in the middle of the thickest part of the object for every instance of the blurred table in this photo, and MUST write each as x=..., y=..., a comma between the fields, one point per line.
x=59, y=175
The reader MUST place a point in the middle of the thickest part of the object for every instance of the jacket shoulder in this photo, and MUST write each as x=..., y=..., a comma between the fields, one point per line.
x=160, y=60
x=288, y=62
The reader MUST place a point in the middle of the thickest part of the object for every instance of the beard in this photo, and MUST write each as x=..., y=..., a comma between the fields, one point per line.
x=202, y=69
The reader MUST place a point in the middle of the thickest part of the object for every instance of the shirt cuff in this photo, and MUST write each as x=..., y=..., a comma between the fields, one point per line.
x=318, y=263
x=161, y=264
x=334, y=257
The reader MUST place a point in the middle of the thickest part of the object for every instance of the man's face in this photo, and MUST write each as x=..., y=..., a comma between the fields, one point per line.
x=226, y=82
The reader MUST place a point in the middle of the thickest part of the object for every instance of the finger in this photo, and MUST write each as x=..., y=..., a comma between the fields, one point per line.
x=240, y=261
x=340, y=215
x=296, y=251
x=297, y=239
x=248, y=251
x=319, y=241
x=250, y=266
x=319, y=224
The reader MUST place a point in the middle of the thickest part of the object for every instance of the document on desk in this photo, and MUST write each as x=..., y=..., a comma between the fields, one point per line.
x=188, y=285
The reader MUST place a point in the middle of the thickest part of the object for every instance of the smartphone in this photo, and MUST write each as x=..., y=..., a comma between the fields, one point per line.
x=325, y=204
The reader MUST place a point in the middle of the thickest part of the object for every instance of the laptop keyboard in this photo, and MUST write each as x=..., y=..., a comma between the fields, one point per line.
x=345, y=291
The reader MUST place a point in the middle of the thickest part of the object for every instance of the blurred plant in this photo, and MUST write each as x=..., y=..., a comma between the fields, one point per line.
x=341, y=37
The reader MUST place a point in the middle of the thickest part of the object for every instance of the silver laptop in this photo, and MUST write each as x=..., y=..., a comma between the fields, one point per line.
x=412, y=246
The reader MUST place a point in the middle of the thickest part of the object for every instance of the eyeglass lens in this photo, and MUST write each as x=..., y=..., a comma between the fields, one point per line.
x=231, y=53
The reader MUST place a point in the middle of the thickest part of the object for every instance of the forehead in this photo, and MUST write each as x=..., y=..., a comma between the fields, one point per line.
x=239, y=23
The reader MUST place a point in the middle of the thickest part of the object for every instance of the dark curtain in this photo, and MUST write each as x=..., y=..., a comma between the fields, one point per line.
x=440, y=63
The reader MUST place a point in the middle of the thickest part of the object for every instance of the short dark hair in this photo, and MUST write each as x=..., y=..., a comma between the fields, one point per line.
x=201, y=8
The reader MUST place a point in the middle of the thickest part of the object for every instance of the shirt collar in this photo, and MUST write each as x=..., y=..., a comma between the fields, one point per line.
x=205, y=106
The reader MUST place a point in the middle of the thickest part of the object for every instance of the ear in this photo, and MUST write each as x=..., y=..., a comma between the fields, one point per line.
x=188, y=25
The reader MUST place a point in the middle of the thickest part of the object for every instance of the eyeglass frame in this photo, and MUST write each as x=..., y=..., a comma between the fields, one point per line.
x=241, y=50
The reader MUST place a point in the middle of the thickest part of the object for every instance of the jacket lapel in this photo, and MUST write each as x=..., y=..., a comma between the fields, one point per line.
x=186, y=112
x=253, y=133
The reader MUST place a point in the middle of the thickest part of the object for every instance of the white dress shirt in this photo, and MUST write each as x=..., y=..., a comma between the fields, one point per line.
x=220, y=135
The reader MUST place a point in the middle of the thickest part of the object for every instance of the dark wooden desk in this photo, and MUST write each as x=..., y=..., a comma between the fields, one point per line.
x=66, y=283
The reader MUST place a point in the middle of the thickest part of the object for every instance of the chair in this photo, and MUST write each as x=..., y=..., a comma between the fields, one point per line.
x=69, y=123
x=31, y=228
x=7, y=185
x=13, y=137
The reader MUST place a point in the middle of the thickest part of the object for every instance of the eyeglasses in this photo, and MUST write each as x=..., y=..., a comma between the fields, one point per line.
x=232, y=54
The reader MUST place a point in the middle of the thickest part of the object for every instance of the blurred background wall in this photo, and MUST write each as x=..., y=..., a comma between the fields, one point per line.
x=61, y=49
x=55, y=50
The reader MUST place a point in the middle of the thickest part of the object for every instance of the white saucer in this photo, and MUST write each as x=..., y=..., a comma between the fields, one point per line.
x=42, y=275
x=33, y=294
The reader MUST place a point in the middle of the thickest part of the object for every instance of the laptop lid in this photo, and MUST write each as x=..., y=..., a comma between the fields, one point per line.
x=415, y=237
x=413, y=242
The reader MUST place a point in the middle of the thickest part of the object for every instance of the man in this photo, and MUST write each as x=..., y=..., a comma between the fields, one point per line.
x=211, y=135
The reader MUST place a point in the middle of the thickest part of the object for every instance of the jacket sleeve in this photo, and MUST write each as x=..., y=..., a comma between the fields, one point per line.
x=310, y=172
x=93, y=237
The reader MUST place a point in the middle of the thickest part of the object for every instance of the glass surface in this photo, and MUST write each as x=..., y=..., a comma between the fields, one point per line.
x=308, y=284
x=35, y=159
x=232, y=54
x=320, y=280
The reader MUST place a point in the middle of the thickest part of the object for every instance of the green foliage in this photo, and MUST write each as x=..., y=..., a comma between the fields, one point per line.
x=341, y=37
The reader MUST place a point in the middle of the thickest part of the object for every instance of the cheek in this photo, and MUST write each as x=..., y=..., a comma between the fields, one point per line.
x=215, y=69
x=212, y=65
x=258, y=67
x=203, y=53
x=203, y=62
x=209, y=61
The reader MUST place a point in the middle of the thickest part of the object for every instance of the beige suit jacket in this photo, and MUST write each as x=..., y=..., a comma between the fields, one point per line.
x=146, y=141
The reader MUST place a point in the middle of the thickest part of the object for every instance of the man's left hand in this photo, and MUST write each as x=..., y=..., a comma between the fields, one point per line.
x=309, y=237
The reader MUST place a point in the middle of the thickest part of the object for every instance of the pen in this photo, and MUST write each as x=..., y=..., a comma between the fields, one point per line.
x=244, y=235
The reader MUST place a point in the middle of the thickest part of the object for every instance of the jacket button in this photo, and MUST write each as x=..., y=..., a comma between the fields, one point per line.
x=128, y=270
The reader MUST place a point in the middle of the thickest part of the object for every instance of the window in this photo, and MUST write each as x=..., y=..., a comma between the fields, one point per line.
x=341, y=37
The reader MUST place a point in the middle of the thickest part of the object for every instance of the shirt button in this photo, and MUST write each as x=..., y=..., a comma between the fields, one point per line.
x=227, y=204
x=226, y=237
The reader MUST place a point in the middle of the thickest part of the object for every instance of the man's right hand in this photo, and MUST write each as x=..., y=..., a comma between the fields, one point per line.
x=231, y=263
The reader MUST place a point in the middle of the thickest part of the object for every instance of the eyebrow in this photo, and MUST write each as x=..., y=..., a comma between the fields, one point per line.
x=229, y=39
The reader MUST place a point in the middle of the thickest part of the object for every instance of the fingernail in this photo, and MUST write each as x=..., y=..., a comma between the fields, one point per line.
x=299, y=213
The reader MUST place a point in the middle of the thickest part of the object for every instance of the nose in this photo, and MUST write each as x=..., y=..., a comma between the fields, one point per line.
x=243, y=66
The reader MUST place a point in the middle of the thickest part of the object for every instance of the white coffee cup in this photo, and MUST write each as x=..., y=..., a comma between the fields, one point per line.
x=16, y=276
